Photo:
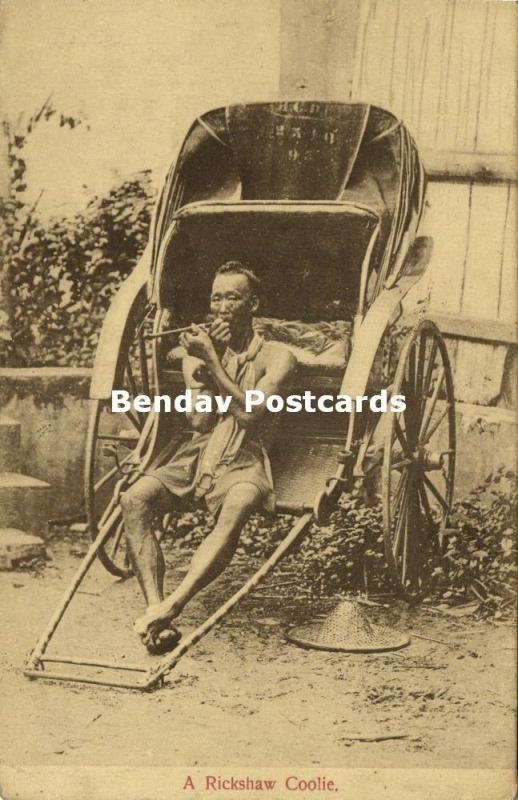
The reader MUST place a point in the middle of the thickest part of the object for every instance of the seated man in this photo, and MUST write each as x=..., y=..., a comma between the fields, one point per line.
x=225, y=462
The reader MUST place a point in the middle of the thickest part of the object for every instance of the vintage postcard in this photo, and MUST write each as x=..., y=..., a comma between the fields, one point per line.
x=258, y=371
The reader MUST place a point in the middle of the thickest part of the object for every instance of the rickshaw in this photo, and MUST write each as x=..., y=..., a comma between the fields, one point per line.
x=324, y=201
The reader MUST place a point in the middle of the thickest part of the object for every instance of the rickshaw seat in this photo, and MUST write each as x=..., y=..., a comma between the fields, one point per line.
x=301, y=467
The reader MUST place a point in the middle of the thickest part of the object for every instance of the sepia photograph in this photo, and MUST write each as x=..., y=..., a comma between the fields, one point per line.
x=258, y=399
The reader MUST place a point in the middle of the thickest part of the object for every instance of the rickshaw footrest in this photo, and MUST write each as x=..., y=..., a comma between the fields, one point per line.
x=63, y=676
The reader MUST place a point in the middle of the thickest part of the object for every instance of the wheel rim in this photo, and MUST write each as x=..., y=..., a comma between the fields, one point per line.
x=111, y=450
x=106, y=459
x=419, y=459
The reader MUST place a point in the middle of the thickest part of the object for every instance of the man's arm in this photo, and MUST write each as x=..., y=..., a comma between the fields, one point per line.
x=276, y=374
x=191, y=368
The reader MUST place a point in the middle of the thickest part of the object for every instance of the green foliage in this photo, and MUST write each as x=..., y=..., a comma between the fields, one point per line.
x=346, y=554
x=62, y=275
x=480, y=551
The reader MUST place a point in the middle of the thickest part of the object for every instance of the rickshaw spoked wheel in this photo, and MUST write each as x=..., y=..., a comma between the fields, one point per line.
x=111, y=446
x=419, y=459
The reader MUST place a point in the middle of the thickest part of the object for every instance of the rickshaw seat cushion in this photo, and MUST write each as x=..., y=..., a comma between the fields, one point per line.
x=323, y=345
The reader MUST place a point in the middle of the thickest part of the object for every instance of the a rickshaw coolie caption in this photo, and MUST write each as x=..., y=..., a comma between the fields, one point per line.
x=293, y=403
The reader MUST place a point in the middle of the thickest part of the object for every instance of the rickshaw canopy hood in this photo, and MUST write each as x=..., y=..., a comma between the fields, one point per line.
x=312, y=195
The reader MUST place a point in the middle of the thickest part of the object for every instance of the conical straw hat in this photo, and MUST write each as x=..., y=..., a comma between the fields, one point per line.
x=348, y=629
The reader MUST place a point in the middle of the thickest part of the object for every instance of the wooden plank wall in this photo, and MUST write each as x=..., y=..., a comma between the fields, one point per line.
x=473, y=274
x=448, y=69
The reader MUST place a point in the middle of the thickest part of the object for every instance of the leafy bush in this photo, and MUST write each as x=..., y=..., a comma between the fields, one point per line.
x=62, y=274
x=481, y=546
x=347, y=553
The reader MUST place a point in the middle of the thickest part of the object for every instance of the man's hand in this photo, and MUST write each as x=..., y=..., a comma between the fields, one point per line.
x=198, y=343
x=205, y=346
x=220, y=334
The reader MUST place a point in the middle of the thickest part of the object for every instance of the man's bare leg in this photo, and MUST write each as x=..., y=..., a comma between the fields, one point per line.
x=209, y=561
x=141, y=505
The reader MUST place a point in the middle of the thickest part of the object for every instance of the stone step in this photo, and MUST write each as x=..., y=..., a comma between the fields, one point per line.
x=10, y=432
x=24, y=503
x=17, y=547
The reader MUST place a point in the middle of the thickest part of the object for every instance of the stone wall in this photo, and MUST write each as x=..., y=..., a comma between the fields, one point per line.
x=52, y=406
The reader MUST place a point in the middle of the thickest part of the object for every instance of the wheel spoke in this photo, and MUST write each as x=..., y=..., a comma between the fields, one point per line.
x=117, y=539
x=370, y=429
x=436, y=493
x=397, y=536
x=403, y=480
x=404, y=563
x=401, y=518
x=426, y=506
x=135, y=420
x=430, y=432
x=428, y=413
x=401, y=464
x=401, y=438
x=134, y=417
x=140, y=327
x=414, y=539
x=131, y=379
x=411, y=423
x=143, y=364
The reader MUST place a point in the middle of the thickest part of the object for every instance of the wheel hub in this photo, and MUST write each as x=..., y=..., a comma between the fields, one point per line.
x=422, y=457
x=431, y=460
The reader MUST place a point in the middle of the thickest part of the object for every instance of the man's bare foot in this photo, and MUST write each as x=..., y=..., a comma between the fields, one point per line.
x=154, y=627
x=162, y=642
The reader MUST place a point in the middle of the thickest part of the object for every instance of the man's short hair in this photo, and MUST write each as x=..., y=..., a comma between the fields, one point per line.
x=238, y=268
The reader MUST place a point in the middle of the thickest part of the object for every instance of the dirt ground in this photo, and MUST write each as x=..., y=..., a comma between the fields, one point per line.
x=244, y=696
